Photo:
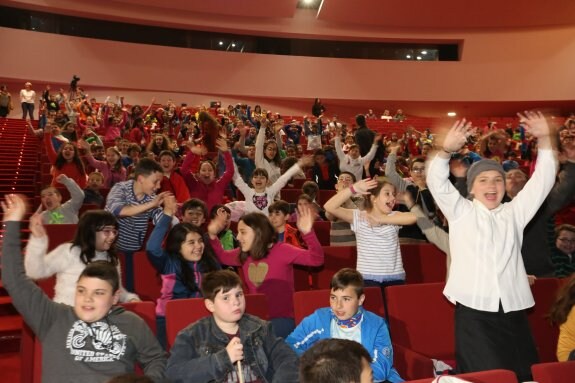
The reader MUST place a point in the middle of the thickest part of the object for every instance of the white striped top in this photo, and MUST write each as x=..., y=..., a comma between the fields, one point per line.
x=378, y=251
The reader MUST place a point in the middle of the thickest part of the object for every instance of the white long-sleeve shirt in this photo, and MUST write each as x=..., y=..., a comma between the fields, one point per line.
x=354, y=166
x=65, y=262
x=274, y=171
x=486, y=265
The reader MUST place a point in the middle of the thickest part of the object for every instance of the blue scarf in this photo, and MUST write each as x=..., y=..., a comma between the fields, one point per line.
x=351, y=322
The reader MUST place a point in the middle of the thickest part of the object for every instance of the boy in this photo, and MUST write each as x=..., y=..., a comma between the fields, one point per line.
x=563, y=256
x=352, y=162
x=487, y=277
x=194, y=211
x=324, y=173
x=336, y=361
x=134, y=202
x=279, y=215
x=172, y=181
x=227, y=238
x=346, y=319
x=92, y=193
x=91, y=341
x=57, y=212
x=209, y=349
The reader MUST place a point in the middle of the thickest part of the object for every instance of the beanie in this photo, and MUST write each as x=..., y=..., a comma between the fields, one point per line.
x=482, y=166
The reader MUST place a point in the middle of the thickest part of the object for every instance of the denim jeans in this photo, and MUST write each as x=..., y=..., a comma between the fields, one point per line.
x=27, y=108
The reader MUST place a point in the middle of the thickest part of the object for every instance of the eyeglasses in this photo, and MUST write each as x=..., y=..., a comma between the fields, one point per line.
x=108, y=232
x=567, y=240
x=418, y=170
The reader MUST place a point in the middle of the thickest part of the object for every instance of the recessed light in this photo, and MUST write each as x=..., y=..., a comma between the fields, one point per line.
x=233, y=45
x=221, y=43
x=423, y=52
x=451, y=114
x=408, y=56
x=418, y=57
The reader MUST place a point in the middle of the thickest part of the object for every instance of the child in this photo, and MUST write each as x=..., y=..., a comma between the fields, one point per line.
x=204, y=184
x=67, y=161
x=91, y=341
x=181, y=263
x=352, y=162
x=92, y=193
x=267, y=264
x=261, y=195
x=267, y=155
x=279, y=215
x=376, y=230
x=226, y=236
x=563, y=256
x=94, y=241
x=487, y=277
x=562, y=314
x=324, y=173
x=57, y=212
x=346, y=319
x=336, y=361
x=173, y=181
x=214, y=348
x=134, y=202
x=194, y=211
x=112, y=168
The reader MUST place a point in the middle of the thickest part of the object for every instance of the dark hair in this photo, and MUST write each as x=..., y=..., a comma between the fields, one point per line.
x=564, y=301
x=134, y=147
x=215, y=208
x=147, y=167
x=319, y=152
x=194, y=203
x=91, y=222
x=277, y=158
x=167, y=153
x=207, y=262
x=260, y=172
x=381, y=182
x=103, y=270
x=347, y=277
x=279, y=205
x=287, y=163
x=152, y=147
x=209, y=162
x=61, y=161
x=360, y=120
x=333, y=361
x=219, y=281
x=137, y=121
x=416, y=160
x=304, y=196
x=564, y=227
x=310, y=188
x=349, y=174
x=265, y=236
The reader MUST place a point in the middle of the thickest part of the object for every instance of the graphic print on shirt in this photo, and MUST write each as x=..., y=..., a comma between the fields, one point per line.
x=55, y=217
x=260, y=201
x=257, y=273
x=248, y=372
x=95, y=343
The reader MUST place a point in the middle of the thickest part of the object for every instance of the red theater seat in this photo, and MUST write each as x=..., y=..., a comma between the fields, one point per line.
x=423, y=263
x=491, y=376
x=545, y=335
x=336, y=258
x=556, y=372
x=148, y=282
x=322, y=229
x=182, y=312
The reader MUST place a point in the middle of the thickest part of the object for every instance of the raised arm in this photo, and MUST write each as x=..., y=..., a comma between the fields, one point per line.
x=313, y=255
x=222, y=145
x=371, y=154
x=274, y=188
x=391, y=171
x=333, y=205
x=339, y=148
x=76, y=193
x=260, y=141
x=154, y=250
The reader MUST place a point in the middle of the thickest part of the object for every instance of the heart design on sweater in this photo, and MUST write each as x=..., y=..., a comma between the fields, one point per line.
x=257, y=273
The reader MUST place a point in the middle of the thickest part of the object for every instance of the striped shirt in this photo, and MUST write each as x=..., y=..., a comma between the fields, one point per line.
x=378, y=252
x=132, y=229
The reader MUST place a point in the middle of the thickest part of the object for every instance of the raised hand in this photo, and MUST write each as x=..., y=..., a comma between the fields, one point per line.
x=457, y=136
x=306, y=161
x=305, y=219
x=170, y=204
x=364, y=186
x=36, y=226
x=14, y=207
x=61, y=178
x=159, y=198
x=535, y=123
x=222, y=144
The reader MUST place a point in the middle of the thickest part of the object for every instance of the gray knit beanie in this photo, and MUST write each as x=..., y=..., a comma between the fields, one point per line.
x=482, y=166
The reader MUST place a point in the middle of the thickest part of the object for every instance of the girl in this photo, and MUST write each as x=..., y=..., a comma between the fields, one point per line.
x=114, y=124
x=261, y=195
x=563, y=314
x=204, y=185
x=268, y=265
x=376, y=230
x=158, y=144
x=94, y=241
x=67, y=161
x=181, y=263
x=267, y=155
x=112, y=168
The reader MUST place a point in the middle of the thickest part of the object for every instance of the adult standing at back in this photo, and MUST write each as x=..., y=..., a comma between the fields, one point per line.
x=28, y=99
x=364, y=139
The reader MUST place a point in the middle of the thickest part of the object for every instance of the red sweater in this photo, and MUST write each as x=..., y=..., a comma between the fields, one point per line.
x=177, y=186
x=70, y=169
x=273, y=275
x=213, y=193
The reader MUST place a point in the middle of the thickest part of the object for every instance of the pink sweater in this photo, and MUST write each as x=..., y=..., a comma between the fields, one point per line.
x=273, y=275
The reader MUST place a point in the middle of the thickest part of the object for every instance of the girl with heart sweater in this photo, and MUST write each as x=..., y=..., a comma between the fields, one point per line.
x=267, y=265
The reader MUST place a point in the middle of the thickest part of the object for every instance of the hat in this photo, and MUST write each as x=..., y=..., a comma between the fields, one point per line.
x=480, y=167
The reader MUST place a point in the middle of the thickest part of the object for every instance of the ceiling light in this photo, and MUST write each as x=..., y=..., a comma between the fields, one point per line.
x=221, y=43
x=418, y=57
x=423, y=52
x=233, y=45
x=308, y=2
x=408, y=56
x=451, y=114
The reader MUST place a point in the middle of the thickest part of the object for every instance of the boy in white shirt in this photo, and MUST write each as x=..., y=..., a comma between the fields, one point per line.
x=487, y=278
x=352, y=162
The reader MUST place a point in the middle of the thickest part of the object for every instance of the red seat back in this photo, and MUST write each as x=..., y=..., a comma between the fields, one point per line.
x=148, y=282
x=322, y=229
x=336, y=258
x=491, y=376
x=423, y=263
x=544, y=333
x=182, y=312
x=556, y=372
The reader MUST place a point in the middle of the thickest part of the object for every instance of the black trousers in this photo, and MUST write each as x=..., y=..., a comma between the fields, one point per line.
x=490, y=340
